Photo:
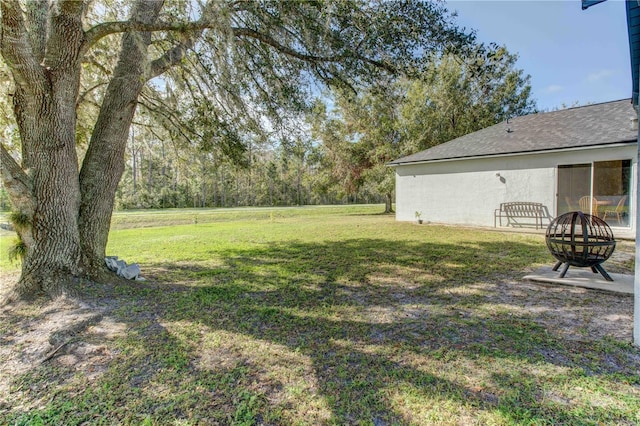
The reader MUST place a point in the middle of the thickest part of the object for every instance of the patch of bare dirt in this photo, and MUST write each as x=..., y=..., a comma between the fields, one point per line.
x=63, y=331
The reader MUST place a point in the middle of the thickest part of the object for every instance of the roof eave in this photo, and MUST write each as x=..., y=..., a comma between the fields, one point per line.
x=513, y=154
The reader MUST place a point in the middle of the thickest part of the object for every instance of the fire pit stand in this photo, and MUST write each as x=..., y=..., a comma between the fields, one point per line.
x=582, y=240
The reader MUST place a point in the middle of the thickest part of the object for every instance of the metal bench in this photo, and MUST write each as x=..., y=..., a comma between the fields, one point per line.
x=512, y=211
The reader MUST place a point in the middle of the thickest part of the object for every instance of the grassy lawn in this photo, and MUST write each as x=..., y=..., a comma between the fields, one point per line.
x=321, y=316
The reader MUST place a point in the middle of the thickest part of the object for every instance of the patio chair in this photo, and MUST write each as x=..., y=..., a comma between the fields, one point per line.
x=589, y=205
x=618, y=211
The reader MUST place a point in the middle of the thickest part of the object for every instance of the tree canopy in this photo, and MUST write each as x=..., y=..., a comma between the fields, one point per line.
x=453, y=96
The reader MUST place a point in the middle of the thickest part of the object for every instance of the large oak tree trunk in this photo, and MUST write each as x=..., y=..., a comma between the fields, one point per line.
x=44, y=105
x=103, y=164
x=51, y=262
x=68, y=211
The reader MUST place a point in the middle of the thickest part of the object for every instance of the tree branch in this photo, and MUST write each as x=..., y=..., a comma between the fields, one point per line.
x=169, y=59
x=175, y=55
x=71, y=7
x=66, y=34
x=266, y=39
x=107, y=28
x=84, y=94
x=192, y=31
x=172, y=118
x=37, y=17
x=91, y=59
x=16, y=48
x=16, y=181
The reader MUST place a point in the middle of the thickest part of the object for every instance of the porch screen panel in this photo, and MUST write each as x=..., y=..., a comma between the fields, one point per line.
x=574, y=182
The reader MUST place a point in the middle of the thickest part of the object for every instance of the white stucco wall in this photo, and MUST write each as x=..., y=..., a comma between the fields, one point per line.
x=468, y=191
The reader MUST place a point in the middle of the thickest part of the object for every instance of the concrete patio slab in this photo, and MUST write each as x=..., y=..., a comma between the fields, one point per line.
x=583, y=277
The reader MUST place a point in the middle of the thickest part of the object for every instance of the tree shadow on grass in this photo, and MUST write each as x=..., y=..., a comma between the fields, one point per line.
x=356, y=332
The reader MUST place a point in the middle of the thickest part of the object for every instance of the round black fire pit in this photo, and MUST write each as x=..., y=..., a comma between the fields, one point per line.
x=580, y=239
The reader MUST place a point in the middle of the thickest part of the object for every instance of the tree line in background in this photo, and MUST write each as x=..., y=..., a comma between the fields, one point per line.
x=335, y=153
x=283, y=173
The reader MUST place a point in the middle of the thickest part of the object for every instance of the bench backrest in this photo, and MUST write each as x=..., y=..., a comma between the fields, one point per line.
x=523, y=209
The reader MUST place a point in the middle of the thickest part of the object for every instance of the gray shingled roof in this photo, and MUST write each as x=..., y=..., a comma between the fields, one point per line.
x=591, y=125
